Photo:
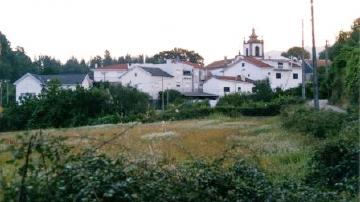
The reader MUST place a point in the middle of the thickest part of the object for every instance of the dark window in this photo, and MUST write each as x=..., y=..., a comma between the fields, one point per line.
x=248, y=75
x=243, y=64
x=278, y=75
x=247, y=52
x=257, y=51
x=135, y=74
x=239, y=89
x=186, y=73
x=295, y=76
x=269, y=73
x=226, y=89
x=280, y=65
x=178, y=85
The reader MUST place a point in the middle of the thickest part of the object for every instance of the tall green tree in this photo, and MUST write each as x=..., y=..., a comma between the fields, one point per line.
x=178, y=53
x=344, y=76
x=296, y=52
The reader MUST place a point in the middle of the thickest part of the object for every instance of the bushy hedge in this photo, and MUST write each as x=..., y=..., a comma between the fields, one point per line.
x=335, y=165
x=309, y=121
x=57, y=107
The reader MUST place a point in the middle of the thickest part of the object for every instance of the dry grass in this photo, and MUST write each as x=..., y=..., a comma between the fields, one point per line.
x=260, y=140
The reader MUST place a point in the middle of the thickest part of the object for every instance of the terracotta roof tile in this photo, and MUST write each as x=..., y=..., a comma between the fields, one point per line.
x=256, y=62
x=219, y=64
x=199, y=66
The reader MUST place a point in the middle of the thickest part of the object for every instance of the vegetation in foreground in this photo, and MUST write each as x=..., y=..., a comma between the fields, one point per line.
x=220, y=159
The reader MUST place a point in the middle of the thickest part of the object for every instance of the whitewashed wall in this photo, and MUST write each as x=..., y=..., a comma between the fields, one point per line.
x=108, y=75
x=28, y=85
x=144, y=82
x=216, y=86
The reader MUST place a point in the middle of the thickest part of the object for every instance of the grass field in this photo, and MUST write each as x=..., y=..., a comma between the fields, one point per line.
x=258, y=139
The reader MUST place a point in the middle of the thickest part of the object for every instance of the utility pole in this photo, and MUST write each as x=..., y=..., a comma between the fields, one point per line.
x=162, y=94
x=7, y=92
x=167, y=98
x=326, y=58
x=316, y=88
x=1, y=97
x=303, y=87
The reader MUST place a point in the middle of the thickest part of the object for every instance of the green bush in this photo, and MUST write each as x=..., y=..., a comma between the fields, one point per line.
x=56, y=107
x=335, y=165
x=108, y=119
x=309, y=121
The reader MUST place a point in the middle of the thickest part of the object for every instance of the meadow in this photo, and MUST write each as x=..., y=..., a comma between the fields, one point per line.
x=261, y=140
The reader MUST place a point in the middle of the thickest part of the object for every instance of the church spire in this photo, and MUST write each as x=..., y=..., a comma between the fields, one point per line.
x=253, y=36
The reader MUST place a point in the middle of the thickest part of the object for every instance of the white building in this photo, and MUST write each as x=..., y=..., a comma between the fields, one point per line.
x=110, y=73
x=282, y=73
x=150, y=80
x=187, y=76
x=222, y=85
x=32, y=84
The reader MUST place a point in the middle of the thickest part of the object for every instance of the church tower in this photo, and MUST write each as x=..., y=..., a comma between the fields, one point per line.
x=254, y=47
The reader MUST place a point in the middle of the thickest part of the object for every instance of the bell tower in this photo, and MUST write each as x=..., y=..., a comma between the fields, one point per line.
x=254, y=47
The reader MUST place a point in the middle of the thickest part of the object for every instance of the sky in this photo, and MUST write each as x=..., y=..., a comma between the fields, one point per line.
x=213, y=28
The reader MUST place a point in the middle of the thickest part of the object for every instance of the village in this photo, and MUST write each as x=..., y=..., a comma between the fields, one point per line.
x=190, y=101
x=194, y=81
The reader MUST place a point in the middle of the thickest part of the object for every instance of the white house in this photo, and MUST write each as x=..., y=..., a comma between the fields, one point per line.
x=187, y=76
x=282, y=73
x=222, y=85
x=150, y=80
x=32, y=84
x=110, y=73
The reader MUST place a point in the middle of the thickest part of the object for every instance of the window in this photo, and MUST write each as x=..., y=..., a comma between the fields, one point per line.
x=243, y=64
x=135, y=74
x=248, y=75
x=269, y=73
x=280, y=65
x=278, y=75
x=295, y=76
x=226, y=89
x=257, y=51
x=27, y=95
x=186, y=73
x=247, y=52
x=178, y=85
x=239, y=89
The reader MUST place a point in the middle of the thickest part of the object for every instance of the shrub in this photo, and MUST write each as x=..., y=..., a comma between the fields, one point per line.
x=309, y=121
x=108, y=119
x=262, y=91
x=335, y=165
x=235, y=100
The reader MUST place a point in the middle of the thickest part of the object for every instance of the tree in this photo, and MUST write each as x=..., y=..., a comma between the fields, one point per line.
x=72, y=65
x=296, y=52
x=344, y=76
x=96, y=61
x=47, y=64
x=107, y=59
x=178, y=53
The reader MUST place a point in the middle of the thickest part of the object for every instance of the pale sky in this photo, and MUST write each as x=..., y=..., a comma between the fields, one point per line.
x=213, y=28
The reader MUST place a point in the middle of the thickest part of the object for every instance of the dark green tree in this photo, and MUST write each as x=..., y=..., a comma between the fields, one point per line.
x=296, y=52
x=178, y=53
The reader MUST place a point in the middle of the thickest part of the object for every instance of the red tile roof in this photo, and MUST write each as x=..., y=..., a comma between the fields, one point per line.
x=219, y=64
x=115, y=67
x=199, y=66
x=256, y=62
